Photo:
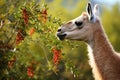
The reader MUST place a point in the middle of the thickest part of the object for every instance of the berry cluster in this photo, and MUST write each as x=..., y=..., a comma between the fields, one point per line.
x=30, y=72
x=43, y=16
x=31, y=31
x=56, y=56
x=19, y=36
x=11, y=62
x=25, y=16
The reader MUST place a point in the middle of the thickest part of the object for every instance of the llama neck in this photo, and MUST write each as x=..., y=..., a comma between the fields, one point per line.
x=100, y=43
x=101, y=53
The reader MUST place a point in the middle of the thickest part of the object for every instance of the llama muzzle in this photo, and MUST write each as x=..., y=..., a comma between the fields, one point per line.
x=61, y=36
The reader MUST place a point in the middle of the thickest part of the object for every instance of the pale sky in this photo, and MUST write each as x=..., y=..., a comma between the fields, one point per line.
x=109, y=2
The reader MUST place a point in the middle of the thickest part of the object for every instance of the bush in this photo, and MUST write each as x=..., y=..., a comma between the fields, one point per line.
x=29, y=48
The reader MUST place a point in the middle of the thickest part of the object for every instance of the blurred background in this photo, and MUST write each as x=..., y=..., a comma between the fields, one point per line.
x=27, y=61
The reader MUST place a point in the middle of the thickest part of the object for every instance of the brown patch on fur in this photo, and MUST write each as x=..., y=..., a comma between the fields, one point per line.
x=84, y=13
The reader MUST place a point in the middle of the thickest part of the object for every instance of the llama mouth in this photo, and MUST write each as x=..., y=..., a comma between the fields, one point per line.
x=61, y=36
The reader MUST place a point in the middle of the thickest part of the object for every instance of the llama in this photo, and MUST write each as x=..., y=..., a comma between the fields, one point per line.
x=104, y=61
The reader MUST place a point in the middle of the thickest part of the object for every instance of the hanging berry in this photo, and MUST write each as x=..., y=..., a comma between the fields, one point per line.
x=30, y=72
x=43, y=16
x=11, y=62
x=19, y=36
x=31, y=31
x=25, y=16
x=56, y=56
x=44, y=12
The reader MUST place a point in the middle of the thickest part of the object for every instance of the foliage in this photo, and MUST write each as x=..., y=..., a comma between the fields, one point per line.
x=33, y=51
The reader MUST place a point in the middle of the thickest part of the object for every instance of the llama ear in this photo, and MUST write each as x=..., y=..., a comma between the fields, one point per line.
x=90, y=12
x=89, y=9
x=96, y=10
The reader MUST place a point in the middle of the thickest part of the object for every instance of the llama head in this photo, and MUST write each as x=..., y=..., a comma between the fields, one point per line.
x=81, y=28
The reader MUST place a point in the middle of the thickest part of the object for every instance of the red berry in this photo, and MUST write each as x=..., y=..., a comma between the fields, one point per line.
x=56, y=56
x=32, y=30
x=19, y=37
x=44, y=13
x=30, y=72
x=25, y=16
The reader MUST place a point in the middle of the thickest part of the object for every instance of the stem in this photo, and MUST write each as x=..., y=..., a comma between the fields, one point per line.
x=44, y=49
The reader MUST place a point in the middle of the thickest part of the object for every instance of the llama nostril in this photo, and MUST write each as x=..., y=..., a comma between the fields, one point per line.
x=59, y=30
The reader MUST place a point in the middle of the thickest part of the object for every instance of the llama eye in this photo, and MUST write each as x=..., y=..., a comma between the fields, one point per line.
x=79, y=24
